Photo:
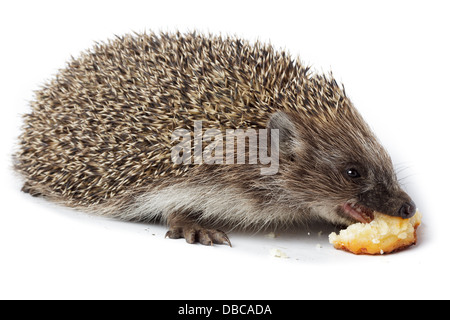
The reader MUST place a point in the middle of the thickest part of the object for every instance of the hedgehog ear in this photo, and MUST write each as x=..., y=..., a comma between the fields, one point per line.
x=283, y=122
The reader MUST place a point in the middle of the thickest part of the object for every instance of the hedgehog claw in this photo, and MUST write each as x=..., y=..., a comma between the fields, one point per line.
x=174, y=233
x=194, y=233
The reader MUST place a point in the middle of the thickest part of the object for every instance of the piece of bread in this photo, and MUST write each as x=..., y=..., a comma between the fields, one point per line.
x=385, y=234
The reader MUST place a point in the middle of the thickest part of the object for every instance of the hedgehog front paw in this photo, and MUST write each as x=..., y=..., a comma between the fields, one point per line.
x=195, y=233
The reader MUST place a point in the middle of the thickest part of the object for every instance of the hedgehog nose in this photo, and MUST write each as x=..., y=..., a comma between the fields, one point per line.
x=407, y=210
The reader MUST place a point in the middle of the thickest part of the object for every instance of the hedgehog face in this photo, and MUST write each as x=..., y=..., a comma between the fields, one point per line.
x=371, y=188
x=342, y=172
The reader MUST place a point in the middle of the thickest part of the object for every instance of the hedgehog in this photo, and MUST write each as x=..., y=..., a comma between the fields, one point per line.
x=99, y=138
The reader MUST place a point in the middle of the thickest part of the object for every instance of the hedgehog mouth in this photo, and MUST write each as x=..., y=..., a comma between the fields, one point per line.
x=358, y=212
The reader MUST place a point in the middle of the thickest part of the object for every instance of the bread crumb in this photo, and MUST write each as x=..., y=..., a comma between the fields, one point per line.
x=277, y=253
x=271, y=235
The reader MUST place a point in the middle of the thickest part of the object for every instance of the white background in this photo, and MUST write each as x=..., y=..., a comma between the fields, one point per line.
x=392, y=56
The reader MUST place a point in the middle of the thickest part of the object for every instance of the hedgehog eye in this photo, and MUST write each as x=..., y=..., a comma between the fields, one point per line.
x=352, y=173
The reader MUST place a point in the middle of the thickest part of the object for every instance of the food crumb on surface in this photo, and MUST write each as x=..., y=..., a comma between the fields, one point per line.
x=277, y=253
x=271, y=235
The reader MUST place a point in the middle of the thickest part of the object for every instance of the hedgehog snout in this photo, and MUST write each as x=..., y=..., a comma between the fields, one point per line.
x=407, y=210
x=395, y=202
